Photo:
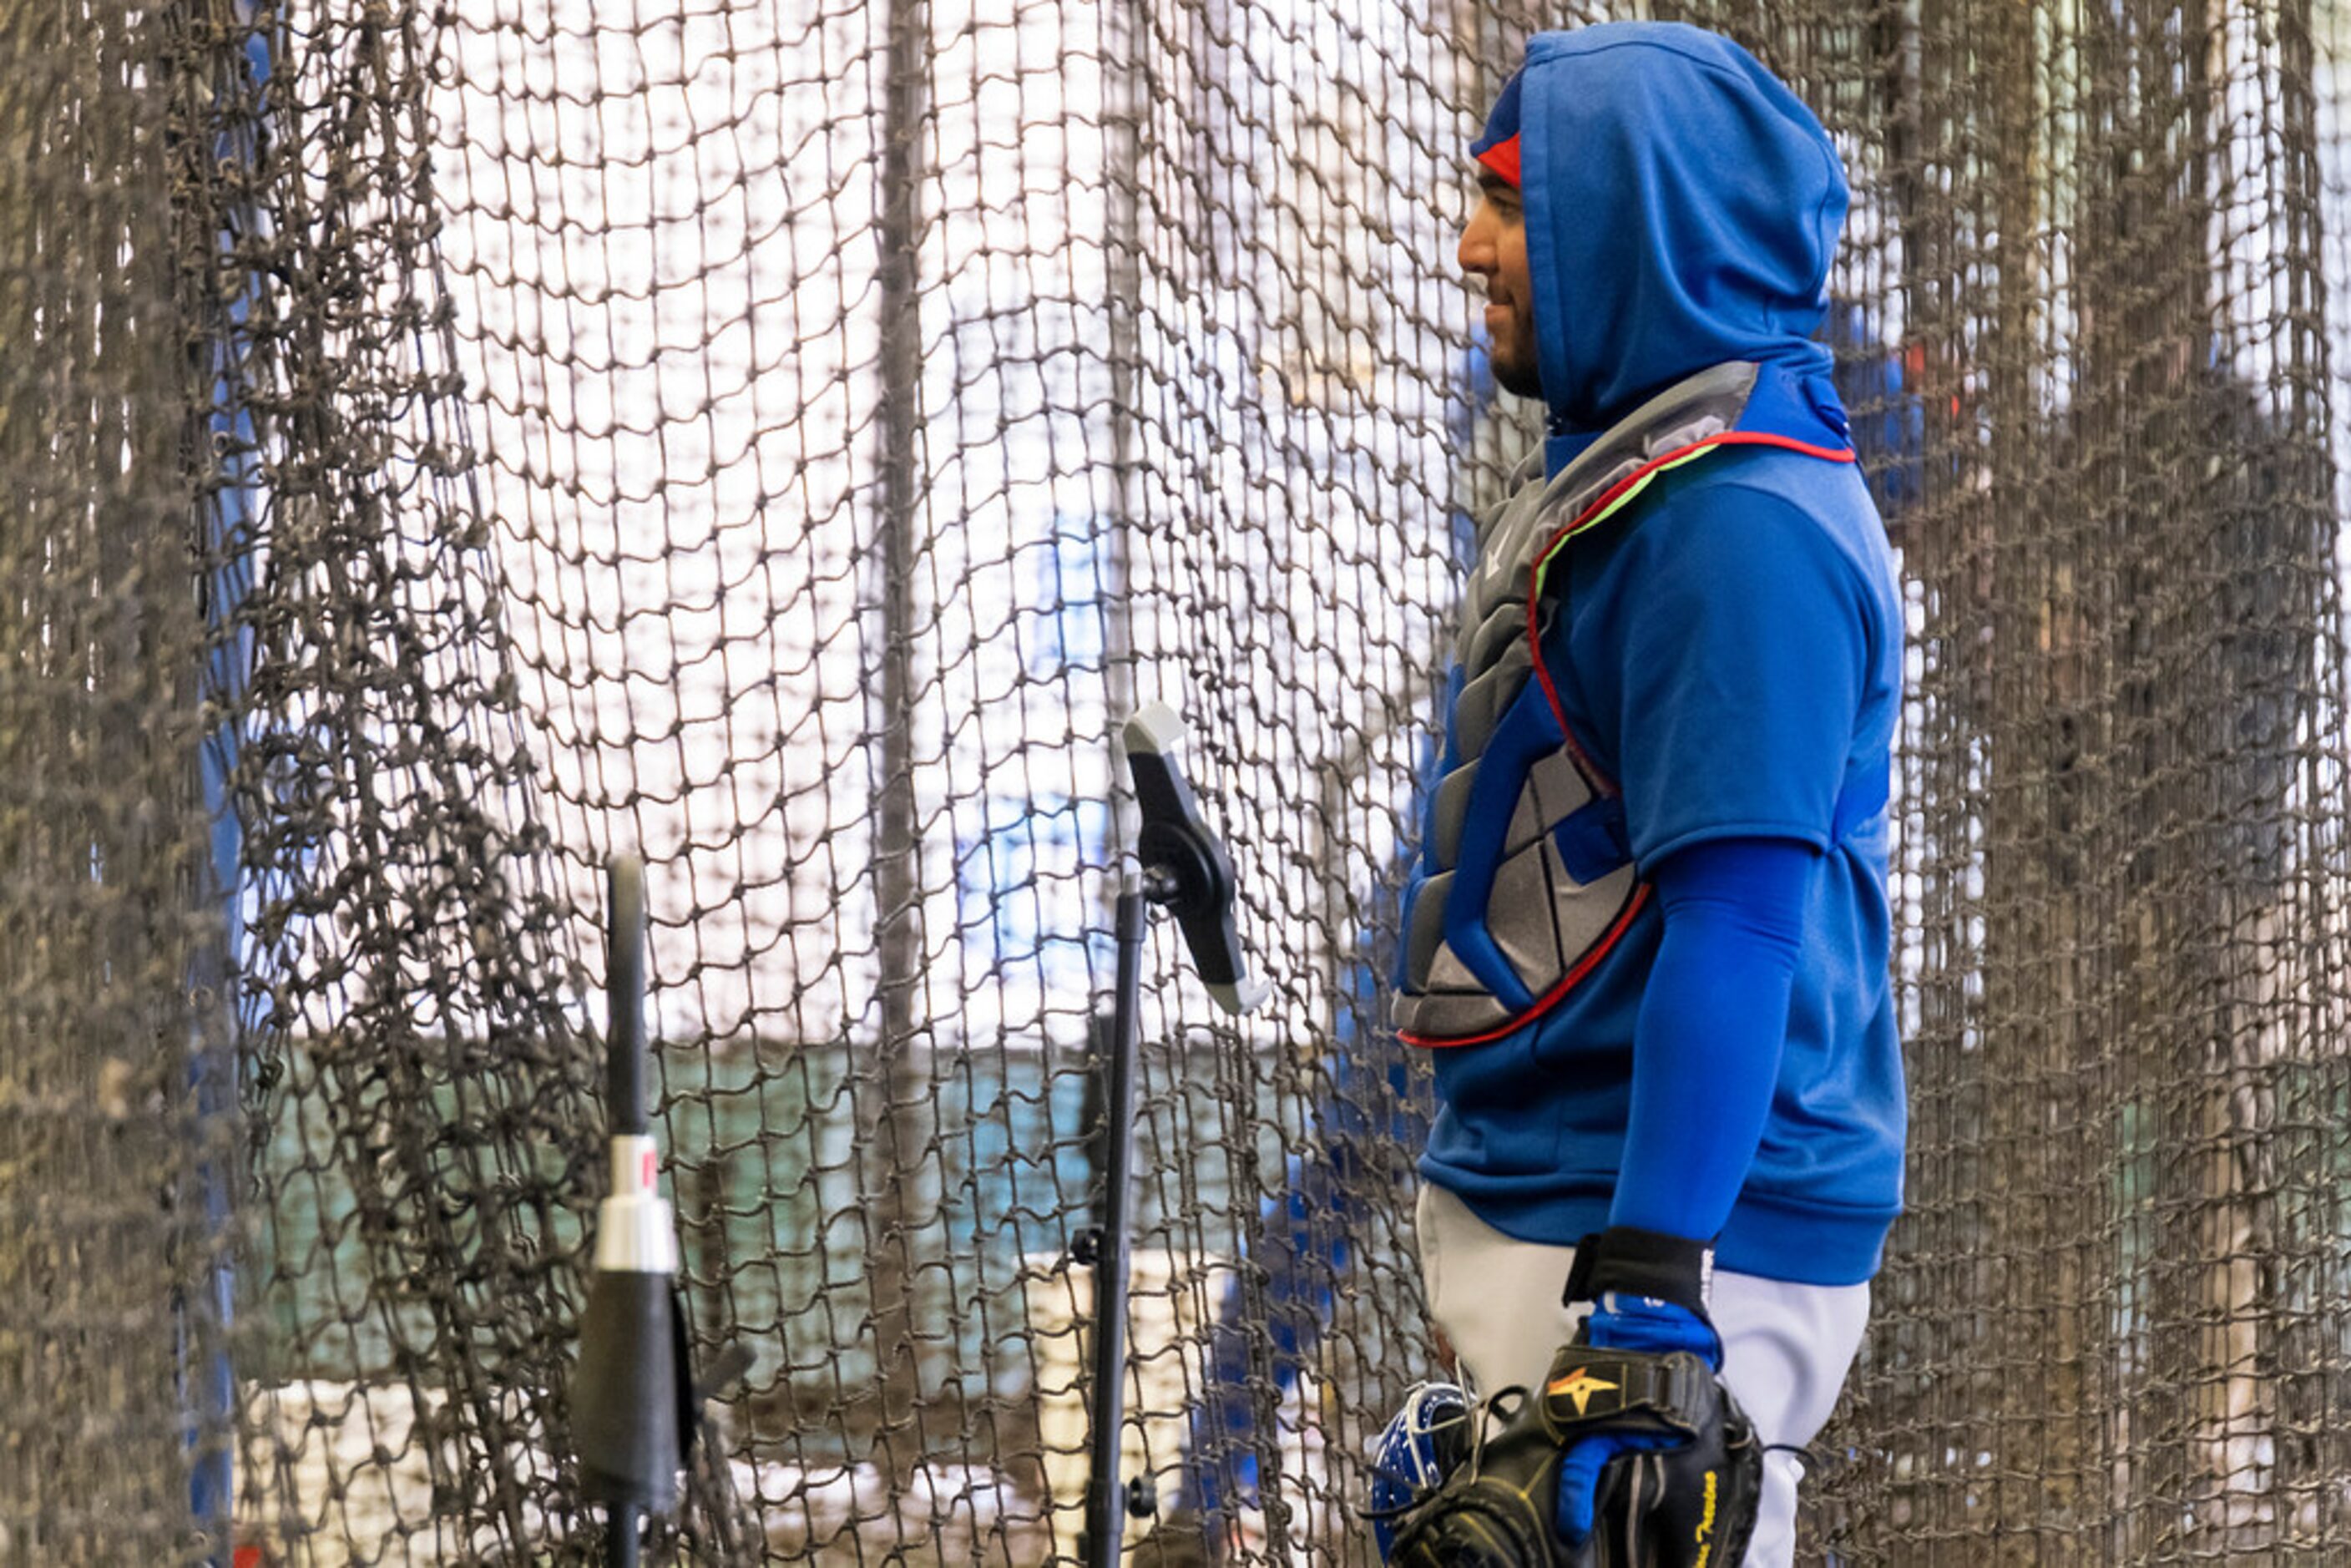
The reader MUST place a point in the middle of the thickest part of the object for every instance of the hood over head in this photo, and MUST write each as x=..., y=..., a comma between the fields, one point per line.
x=1682, y=209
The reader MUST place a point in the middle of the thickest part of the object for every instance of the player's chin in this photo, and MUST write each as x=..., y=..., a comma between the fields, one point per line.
x=1515, y=372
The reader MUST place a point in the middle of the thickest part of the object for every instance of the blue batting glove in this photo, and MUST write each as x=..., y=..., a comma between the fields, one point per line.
x=1625, y=1322
x=1658, y=1328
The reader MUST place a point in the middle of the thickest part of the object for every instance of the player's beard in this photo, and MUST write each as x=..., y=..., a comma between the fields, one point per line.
x=1517, y=362
x=1518, y=375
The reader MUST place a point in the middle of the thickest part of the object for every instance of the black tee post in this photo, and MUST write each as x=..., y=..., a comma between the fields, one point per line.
x=1184, y=869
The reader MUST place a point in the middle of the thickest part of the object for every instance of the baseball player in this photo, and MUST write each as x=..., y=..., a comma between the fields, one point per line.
x=1646, y=942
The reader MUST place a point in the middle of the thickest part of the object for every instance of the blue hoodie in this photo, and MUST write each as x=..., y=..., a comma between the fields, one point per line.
x=1729, y=652
x=1682, y=210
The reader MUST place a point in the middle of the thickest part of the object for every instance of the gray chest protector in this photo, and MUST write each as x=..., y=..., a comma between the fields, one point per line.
x=1527, y=880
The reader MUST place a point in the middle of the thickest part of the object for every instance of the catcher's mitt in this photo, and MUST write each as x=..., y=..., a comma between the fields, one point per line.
x=1687, y=1503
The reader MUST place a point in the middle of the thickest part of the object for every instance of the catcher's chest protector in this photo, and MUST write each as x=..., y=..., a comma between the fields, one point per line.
x=1527, y=879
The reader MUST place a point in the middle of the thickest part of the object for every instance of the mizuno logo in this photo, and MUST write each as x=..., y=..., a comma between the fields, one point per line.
x=1579, y=1385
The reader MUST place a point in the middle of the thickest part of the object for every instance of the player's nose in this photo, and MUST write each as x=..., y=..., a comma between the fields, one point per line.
x=1476, y=252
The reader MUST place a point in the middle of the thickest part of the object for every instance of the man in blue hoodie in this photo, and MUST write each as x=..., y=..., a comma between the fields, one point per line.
x=1646, y=942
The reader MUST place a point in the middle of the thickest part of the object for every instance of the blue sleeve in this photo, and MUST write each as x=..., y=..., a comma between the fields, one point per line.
x=1743, y=647
x=1706, y=1048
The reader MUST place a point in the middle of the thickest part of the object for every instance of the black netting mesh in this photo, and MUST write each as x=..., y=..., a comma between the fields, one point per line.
x=444, y=445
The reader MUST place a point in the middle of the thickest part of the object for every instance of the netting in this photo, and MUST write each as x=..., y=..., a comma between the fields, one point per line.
x=444, y=445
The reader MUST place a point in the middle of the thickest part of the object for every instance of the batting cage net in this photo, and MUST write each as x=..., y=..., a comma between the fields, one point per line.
x=445, y=446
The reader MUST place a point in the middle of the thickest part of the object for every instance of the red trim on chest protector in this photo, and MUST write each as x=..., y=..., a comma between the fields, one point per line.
x=1592, y=774
x=1551, y=999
